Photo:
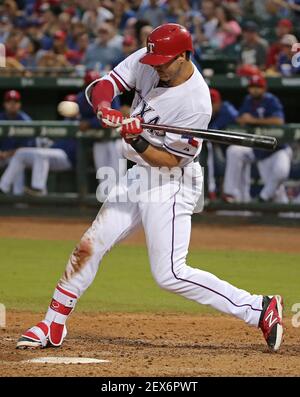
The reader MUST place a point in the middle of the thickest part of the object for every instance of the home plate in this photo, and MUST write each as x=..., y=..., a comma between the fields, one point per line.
x=66, y=360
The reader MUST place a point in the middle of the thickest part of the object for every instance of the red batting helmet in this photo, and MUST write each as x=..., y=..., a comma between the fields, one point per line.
x=257, y=81
x=165, y=43
x=215, y=95
x=12, y=95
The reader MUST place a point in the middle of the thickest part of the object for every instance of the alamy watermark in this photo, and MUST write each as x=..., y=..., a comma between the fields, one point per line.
x=2, y=316
x=151, y=184
x=296, y=316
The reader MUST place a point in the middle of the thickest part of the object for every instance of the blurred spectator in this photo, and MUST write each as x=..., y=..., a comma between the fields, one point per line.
x=224, y=114
x=102, y=53
x=122, y=13
x=13, y=112
x=81, y=45
x=153, y=12
x=12, y=43
x=77, y=29
x=141, y=30
x=206, y=27
x=135, y=5
x=284, y=26
x=228, y=29
x=95, y=14
x=91, y=32
x=285, y=65
x=27, y=55
x=13, y=107
x=10, y=9
x=253, y=47
x=5, y=28
x=144, y=33
x=260, y=108
x=129, y=46
x=60, y=47
x=52, y=63
x=291, y=5
x=176, y=11
x=252, y=8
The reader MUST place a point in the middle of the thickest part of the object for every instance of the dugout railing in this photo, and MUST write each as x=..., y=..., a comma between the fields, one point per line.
x=78, y=187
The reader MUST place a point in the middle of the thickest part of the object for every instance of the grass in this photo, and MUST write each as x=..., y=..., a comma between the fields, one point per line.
x=29, y=270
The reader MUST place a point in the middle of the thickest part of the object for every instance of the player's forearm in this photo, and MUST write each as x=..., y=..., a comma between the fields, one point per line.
x=157, y=157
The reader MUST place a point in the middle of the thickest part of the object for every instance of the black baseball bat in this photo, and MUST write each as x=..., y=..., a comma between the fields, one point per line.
x=219, y=136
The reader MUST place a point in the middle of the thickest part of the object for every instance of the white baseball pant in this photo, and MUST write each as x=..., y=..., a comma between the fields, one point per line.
x=273, y=170
x=108, y=154
x=167, y=225
x=40, y=160
x=18, y=183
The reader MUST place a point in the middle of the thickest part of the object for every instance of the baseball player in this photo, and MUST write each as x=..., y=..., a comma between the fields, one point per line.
x=13, y=112
x=168, y=90
x=223, y=114
x=264, y=109
x=60, y=156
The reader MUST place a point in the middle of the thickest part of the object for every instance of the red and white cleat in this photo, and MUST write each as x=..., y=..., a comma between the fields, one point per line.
x=271, y=321
x=37, y=337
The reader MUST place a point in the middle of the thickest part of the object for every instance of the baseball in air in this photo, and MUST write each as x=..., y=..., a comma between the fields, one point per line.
x=68, y=109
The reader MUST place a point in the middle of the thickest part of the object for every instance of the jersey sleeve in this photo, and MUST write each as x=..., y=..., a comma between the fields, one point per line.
x=126, y=71
x=185, y=145
x=122, y=77
x=245, y=108
x=276, y=108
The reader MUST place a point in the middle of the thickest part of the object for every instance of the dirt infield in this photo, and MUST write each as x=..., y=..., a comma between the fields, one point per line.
x=153, y=345
x=249, y=238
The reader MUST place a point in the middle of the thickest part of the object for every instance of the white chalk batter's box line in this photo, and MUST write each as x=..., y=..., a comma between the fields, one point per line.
x=2, y=316
x=2, y=56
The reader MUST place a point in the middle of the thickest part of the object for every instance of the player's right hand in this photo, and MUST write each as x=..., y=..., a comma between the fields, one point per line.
x=110, y=118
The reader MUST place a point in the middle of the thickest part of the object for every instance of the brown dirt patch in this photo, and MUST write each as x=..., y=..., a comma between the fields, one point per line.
x=153, y=345
x=250, y=238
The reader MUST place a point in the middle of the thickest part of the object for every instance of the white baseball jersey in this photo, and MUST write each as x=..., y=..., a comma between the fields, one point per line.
x=186, y=105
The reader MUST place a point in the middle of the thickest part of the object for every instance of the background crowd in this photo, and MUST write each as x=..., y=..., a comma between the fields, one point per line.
x=70, y=36
x=88, y=38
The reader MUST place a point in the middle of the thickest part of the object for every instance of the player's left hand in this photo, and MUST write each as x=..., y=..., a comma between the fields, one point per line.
x=131, y=127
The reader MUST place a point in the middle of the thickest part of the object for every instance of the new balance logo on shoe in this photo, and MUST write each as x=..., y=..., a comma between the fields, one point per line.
x=271, y=318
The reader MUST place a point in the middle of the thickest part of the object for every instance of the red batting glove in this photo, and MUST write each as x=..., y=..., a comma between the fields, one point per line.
x=131, y=127
x=110, y=118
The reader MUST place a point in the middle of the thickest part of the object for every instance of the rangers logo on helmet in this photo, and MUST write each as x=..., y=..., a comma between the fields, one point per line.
x=150, y=47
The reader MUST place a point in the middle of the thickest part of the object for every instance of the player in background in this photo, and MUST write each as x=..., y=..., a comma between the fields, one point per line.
x=13, y=112
x=42, y=156
x=260, y=108
x=224, y=114
x=160, y=192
